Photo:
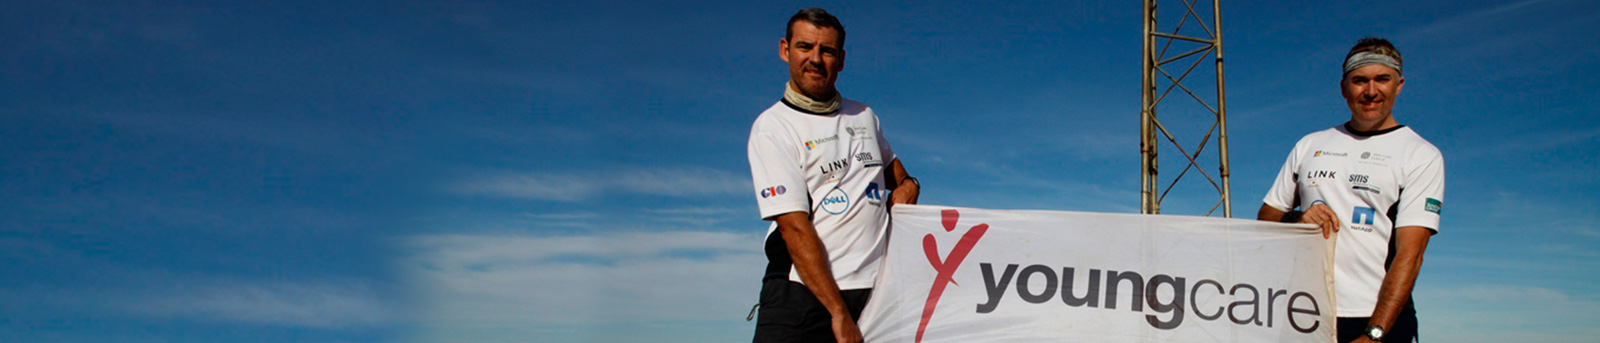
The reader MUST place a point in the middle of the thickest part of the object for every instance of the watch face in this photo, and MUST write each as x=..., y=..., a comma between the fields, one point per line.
x=1375, y=333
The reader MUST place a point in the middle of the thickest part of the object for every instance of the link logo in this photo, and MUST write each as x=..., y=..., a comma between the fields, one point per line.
x=946, y=267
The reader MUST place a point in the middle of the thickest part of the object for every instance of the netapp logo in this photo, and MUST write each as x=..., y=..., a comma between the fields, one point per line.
x=1246, y=309
x=1363, y=215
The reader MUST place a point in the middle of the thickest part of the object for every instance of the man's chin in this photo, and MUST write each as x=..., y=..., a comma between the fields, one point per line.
x=815, y=92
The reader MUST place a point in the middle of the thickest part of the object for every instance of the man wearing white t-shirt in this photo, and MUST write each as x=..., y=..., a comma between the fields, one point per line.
x=1379, y=182
x=822, y=170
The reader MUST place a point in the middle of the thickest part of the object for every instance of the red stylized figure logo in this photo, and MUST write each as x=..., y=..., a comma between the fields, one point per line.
x=947, y=267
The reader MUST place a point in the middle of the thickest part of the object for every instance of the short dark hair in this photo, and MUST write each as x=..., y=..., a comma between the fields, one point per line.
x=1374, y=45
x=815, y=16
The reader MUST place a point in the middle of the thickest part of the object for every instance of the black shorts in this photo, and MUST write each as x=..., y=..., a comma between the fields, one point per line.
x=789, y=313
x=1404, y=330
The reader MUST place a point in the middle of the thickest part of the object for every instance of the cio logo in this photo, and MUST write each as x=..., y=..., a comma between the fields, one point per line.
x=772, y=191
x=1363, y=215
x=835, y=202
x=947, y=268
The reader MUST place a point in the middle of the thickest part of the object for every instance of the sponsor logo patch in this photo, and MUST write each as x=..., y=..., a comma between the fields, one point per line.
x=1434, y=205
x=835, y=166
x=773, y=191
x=1363, y=215
x=812, y=144
x=874, y=194
x=1359, y=182
x=867, y=160
x=836, y=202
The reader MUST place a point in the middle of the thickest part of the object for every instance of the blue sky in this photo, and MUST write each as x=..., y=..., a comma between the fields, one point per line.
x=338, y=171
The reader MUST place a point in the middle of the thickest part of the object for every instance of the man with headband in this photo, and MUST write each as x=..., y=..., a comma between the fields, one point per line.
x=1377, y=183
x=822, y=170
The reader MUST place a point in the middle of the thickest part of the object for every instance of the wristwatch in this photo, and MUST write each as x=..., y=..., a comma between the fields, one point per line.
x=1375, y=333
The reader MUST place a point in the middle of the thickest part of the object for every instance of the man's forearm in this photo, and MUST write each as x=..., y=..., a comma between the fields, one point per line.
x=906, y=188
x=1267, y=213
x=811, y=260
x=1410, y=243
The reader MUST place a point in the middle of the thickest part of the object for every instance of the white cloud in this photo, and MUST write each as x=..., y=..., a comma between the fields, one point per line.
x=567, y=187
x=1502, y=313
x=320, y=304
x=575, y=186
x=1468, y=21
x=506, y=287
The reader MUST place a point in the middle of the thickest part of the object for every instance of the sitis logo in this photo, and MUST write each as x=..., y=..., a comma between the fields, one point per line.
x=946, y=267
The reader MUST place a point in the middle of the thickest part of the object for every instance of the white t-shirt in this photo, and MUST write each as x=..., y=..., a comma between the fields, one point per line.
x=831, y=166
x=1375, y=182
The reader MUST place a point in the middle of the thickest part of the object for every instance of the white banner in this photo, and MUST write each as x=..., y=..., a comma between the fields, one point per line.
x=974, y=275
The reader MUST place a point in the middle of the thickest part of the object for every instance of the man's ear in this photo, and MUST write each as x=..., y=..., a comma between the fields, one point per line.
x=783, y=49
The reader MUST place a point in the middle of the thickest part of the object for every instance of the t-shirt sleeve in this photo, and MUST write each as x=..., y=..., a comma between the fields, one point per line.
x=1284, y=187
x=775, y=170
x=1422, y=195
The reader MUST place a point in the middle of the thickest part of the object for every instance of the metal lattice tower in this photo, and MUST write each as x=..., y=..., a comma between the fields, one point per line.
x=1196, y=42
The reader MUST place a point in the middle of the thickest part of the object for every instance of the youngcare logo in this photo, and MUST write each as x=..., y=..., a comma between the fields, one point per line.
x=973, y=275
x=946, y=267
x=1245, y=309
